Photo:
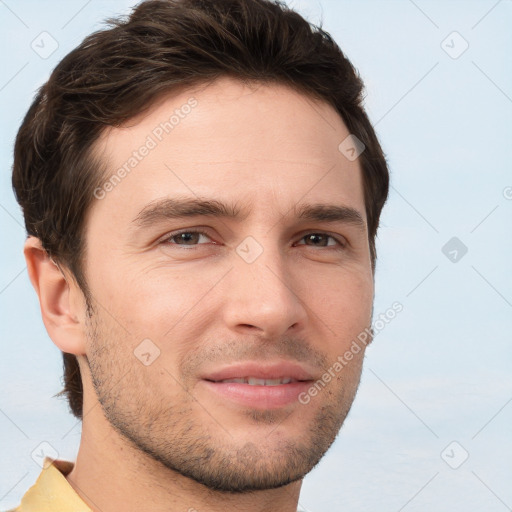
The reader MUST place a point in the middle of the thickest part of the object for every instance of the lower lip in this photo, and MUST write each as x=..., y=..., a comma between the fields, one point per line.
x=259, y=397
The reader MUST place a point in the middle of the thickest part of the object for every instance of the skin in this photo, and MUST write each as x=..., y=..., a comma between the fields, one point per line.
x=152, y=433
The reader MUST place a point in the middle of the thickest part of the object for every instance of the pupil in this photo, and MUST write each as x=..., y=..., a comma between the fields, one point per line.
x=188, y=237
x=315, y=236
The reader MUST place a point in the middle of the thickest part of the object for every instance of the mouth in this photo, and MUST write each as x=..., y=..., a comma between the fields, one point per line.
x=257, y=385
x=255, y=381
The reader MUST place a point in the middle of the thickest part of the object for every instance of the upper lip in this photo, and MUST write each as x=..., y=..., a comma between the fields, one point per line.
x=260, y=370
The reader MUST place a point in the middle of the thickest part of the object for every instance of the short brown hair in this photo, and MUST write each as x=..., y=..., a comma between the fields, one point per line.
x=117, y=73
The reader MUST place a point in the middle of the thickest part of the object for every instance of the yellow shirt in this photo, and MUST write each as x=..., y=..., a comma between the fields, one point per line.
x=52, y=492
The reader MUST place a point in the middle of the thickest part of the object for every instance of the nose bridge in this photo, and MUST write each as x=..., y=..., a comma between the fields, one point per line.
x=268, y=272
x=261, y=293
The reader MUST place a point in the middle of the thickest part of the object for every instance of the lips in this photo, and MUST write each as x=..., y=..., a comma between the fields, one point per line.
x=260, y=371
x=258, y=385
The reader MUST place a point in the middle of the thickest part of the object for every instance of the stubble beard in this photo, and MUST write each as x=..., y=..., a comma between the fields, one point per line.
x=173, y=434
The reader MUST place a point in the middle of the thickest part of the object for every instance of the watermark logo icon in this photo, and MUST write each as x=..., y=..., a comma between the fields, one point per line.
x=454, y=249
x=249, y=249
x=455, y=455
x=351, y=147
x=147, y=352
x=42, y=454
x=44, y=45
x=454, y=45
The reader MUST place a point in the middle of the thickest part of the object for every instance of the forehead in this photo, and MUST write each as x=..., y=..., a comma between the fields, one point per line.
x=265, y=145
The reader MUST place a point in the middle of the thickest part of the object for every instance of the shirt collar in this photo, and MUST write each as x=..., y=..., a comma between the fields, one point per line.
x=52, y=491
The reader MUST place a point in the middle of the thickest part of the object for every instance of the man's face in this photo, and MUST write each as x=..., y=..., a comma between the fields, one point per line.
x=266, y=294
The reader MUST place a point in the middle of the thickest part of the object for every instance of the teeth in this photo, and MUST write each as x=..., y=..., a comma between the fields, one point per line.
x=256, y=382
x=253, y=381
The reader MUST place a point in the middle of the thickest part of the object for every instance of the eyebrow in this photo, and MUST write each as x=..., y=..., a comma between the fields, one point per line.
x=177, y=208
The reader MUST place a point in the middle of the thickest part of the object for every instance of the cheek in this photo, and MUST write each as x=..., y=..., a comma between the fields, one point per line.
x=344, y=297
x=156, y=302
x=343, y=311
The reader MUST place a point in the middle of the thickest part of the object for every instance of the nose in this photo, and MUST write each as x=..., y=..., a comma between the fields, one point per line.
x=263, y=298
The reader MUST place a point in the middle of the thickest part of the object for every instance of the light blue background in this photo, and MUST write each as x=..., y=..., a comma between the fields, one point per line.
x=441, y=371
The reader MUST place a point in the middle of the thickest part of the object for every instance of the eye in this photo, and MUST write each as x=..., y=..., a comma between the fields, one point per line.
x=185, y=238
x=321, y=240
x=192, y=238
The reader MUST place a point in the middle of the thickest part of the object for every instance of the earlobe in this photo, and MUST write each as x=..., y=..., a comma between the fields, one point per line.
x=62, y=314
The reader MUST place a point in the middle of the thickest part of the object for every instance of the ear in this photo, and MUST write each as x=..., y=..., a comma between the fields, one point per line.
x=61, y=299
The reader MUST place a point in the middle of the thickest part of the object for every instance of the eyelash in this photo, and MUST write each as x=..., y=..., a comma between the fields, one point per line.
x=167, y=239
